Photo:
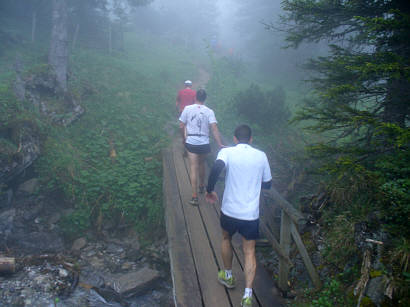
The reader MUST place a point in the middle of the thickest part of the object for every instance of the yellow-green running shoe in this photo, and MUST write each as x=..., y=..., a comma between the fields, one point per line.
x=246, y=301
x=227, y=282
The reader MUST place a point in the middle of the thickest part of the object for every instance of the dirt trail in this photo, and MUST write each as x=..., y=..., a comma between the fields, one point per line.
x=203, y=79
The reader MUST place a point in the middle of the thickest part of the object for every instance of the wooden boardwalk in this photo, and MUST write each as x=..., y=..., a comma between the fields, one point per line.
x=194, y=239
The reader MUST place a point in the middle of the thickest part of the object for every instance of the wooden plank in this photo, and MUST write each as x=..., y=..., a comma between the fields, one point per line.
x=285, y=240
x=314, y=276
x=211, y=220
x=185, y=282
x=263, y=286
x=213, y=293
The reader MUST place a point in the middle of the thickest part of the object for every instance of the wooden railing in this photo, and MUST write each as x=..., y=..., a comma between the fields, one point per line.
x=291, y=219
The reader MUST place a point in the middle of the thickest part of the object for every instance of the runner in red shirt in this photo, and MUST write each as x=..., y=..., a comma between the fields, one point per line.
x=185, y=97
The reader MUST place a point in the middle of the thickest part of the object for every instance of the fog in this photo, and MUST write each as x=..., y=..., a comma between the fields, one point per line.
x=230, y=28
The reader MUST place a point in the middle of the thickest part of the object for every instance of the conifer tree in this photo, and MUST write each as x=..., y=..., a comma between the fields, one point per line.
x=362, y=92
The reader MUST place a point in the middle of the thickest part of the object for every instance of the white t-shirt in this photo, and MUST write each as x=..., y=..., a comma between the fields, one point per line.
x=246, y=169
x=197, y=118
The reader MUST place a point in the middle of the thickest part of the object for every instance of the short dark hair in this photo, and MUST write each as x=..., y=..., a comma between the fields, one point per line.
x=243, y=133
x=201, y=95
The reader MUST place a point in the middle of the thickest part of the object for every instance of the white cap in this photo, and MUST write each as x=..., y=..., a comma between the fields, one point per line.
x=188, y=82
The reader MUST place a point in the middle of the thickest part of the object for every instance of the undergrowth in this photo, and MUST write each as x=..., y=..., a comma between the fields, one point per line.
x=108, y=164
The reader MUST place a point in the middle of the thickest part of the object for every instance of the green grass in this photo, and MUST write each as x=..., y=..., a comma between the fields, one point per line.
x=108, y=164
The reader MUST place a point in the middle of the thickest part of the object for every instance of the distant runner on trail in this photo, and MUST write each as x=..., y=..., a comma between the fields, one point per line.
x=247, y=171
x=195, y=121
x=185, y=97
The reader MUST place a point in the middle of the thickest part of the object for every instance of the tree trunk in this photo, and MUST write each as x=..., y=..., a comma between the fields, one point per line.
x=77, y=29
x=33, y=26
x=396, y=106
x=58, y=54
x=122, y=36
x=109, y=37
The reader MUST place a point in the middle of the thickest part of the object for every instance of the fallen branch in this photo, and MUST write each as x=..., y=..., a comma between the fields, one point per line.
x=7, y=265
x=374, y=241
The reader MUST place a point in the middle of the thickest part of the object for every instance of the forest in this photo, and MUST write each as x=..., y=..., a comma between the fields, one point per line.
x=87, y=108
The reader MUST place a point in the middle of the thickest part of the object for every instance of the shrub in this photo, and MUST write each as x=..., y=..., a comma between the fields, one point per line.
x=266, y=109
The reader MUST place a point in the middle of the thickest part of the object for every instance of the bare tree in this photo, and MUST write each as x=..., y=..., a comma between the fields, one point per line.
x=33, y=26
x=58, y=54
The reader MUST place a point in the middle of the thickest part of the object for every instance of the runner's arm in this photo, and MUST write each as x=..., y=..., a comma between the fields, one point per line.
x=178, y=100
x=182, y=128
x=213, y=176
x=216, y=134
x=267, y=185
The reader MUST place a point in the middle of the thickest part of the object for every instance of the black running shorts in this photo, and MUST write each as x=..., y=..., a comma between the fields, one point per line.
x=198, y=149
x=248, y=229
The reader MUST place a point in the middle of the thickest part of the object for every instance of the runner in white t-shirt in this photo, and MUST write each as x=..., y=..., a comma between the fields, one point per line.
x=247, y=171
x=195, y=121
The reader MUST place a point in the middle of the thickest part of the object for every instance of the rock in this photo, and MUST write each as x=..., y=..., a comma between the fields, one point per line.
x=375, y=290
x=29, y=186
x=127, y=265
x=7, y=217
x=90, y=253
x=114, y=249
x=92, y=278
x=79, y=244
x=30, y=213
x=6, y=198
x=62, y=272
x=97, y=262
x=29, y=150
x=135, y=283
x=6, y=224
x=35, y=242
x=54, y=218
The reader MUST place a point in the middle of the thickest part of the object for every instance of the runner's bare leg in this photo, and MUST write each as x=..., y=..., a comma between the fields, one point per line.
x=202, y=170
x=250, y=261
x=193, y=171
x=227, y=254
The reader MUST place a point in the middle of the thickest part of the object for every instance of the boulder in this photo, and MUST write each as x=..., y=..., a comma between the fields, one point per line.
x=6, y=224
x=79, y=244
x=27, y=152
x=29, y=186
x=136, y=283
x=35, y=242
x=6, y=197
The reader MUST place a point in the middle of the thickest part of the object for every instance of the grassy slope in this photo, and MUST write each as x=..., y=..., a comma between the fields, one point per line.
x=108, y=163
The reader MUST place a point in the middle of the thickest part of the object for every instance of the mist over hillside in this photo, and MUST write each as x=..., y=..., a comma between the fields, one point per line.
x=89, y=104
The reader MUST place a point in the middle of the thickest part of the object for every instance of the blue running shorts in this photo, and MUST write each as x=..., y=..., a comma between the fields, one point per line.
x=248, y=229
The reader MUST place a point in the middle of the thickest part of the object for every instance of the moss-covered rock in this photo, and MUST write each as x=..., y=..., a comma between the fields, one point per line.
x=367, y=302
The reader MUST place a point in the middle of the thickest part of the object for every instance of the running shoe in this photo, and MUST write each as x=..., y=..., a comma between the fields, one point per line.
x=246, y=301
x=194, y=201
x=227, y=282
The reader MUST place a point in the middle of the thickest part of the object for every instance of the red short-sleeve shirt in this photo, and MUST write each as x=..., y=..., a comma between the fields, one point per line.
x=185, y=98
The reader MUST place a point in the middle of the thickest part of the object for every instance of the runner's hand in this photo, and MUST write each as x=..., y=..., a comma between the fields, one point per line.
x=211, y=197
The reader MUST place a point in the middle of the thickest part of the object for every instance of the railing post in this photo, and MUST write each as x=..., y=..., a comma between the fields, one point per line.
x=285, y=240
